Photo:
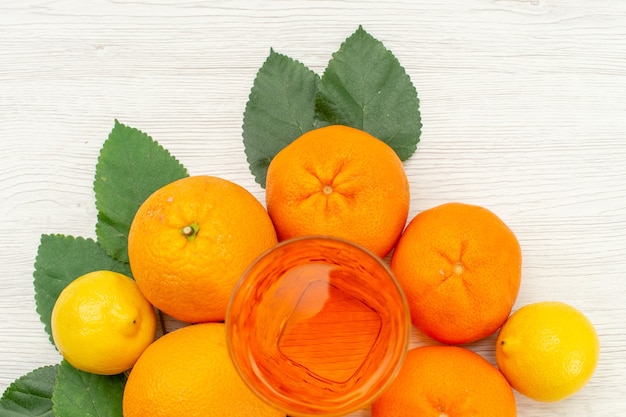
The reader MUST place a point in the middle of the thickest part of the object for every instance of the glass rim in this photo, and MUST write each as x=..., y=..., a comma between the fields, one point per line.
x=355, y=405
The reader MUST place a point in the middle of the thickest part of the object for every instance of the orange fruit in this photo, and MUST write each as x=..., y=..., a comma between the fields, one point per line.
x=188, y=372
x=547, y=350
x=442, y=381
x=191, y=240
x=460, y=267
x=339, y=181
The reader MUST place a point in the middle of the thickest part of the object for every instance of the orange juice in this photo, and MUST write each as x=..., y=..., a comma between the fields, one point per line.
x=318, y=326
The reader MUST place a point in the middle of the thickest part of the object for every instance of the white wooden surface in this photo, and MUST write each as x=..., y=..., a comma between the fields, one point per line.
x=523, y=105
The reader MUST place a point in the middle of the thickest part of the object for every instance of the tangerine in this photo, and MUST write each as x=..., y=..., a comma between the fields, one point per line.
x=441, y=381
x=460, y=266
x=339, y=181
x=191, y=240
x=188, y=372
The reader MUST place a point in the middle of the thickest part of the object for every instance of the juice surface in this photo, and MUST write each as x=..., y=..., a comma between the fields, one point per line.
x=329, y=332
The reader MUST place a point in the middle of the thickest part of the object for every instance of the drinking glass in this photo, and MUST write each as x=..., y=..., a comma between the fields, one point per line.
x=318, y=326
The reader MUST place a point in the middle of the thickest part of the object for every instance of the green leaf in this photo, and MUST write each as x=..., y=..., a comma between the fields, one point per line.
x=30, y=395
x=82, y=394
x=281, y=107
x=365, y=87
x=60, y=260
x=131, y=166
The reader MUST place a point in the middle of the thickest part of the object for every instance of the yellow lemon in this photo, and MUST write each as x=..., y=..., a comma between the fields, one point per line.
x=547, y=350
x=101, y=323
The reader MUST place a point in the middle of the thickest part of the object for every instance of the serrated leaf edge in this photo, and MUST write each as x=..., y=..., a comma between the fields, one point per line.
x=100, y=213
x=37, y=270
x=360, y=31
x=118, y=124
x=272, y=55
x=13, y=384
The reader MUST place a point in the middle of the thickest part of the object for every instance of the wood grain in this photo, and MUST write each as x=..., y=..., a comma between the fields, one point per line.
x=523, y=106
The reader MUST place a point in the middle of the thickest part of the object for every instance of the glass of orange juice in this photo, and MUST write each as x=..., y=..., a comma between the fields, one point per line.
x=318, y=326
